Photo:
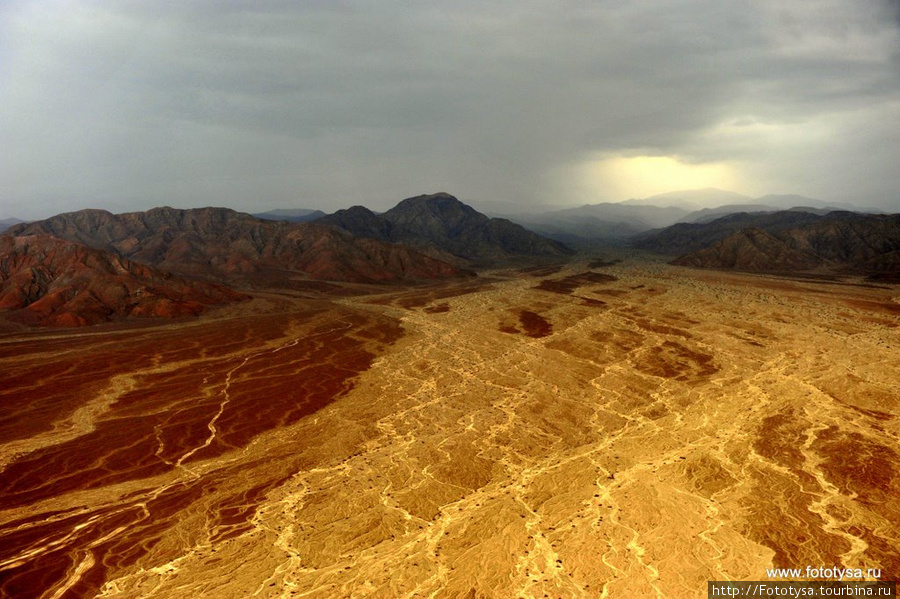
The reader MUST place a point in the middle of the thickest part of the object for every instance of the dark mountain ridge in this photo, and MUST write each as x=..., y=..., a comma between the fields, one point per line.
x=840, y=242
x=682, y=238
x=441, y=223
x=225, y=245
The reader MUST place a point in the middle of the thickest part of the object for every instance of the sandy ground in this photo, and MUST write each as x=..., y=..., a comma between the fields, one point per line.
x=549, y=433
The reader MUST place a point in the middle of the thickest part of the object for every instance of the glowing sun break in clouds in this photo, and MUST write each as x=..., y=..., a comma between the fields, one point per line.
x=641, y=176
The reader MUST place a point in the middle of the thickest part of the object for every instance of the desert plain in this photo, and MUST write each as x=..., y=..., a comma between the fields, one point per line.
x=597, y=429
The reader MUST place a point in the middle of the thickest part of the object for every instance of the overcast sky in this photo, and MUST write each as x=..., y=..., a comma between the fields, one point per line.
x=328, y=103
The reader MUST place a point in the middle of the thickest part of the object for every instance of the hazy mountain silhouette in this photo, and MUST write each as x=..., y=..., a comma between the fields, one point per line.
x=293, y=215
x=614, y=222
x=607, y=221
x=9, y=222
x=692, y=199
x=706, y=215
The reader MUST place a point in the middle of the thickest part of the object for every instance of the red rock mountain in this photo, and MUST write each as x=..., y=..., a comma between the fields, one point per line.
x=49, y=281
x=234, y=247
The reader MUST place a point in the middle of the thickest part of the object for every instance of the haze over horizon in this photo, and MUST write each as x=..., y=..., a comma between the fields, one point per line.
x=127, y=106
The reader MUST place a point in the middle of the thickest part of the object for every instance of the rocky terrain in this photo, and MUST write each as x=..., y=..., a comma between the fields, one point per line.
x=684, y=238
x=234, y=247
x=751, y=250
x=441, y=223
x=842, y=242
x=48, y=281
x=623, y=430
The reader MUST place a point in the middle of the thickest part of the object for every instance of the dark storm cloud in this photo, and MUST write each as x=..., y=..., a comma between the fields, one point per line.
x=322, y=104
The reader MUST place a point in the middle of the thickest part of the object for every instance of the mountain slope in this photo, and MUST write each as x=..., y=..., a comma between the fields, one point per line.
x=683, y=238
x=751, y=250
x=49, y=281
x=360, y=221
x=227, y=245
x=843, y=242
x=441, y=223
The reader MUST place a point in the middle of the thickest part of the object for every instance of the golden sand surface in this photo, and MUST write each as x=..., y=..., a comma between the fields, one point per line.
x=631, y=430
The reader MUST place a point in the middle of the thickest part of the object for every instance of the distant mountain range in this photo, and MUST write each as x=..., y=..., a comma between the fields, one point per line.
x=8, y=222
x=691, y=199
x=607, y=222
x=616, y=222
x=710, y=197
x=292, y=215
x=89, y=266
x=230, y=246
x=441, y=225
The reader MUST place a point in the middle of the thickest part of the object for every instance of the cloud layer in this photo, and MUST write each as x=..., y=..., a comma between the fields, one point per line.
x=325, y=104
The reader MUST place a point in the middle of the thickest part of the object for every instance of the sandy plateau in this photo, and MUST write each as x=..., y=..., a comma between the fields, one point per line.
x=626, y=430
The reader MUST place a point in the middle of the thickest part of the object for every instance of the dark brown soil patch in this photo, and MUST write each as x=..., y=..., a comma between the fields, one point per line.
x=540, y=271
x=534, y=324
x=593, y=303
x=569, y=284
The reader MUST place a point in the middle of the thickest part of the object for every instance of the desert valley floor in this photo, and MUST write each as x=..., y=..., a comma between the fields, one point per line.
x=593, y=430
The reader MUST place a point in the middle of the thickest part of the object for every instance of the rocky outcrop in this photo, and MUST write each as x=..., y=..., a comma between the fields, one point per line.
x=840, y=242
x=751, y=250
x=683, y=238
x=49, y=281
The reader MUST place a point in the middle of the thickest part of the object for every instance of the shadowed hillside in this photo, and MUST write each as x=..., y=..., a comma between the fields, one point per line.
x=843, y=242
x=441, y=223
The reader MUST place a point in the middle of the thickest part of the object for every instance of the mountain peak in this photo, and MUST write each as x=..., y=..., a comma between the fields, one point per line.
x=441, y=203
x=359, y=220
x=439, y=224
x=437, y=206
